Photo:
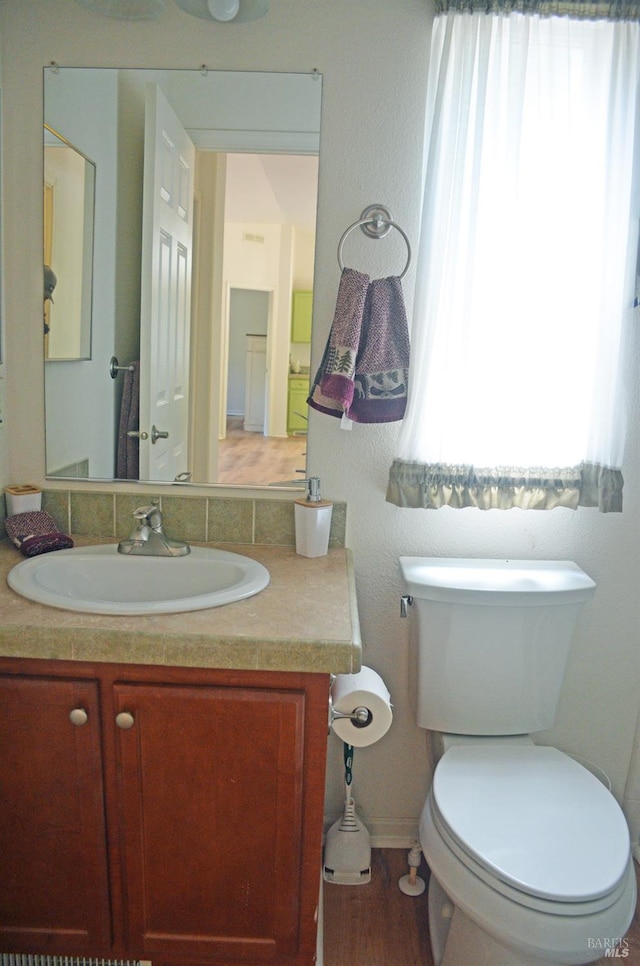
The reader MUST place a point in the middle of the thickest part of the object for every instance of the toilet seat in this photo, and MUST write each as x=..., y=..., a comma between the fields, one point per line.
x=532, y=929
x=534, y=824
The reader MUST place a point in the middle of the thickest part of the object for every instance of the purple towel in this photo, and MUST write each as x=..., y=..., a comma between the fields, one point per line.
x=364, y=370
x=128, y=449
x=36, y=532
x=333, y=387
x=382, y=366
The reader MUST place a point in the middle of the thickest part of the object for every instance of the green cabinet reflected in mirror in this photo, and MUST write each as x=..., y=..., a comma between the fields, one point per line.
x=301, y=313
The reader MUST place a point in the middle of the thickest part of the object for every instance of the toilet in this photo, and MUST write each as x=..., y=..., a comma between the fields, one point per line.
x=529, y=852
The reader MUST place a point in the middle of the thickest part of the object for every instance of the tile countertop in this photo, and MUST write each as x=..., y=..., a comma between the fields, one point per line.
x=305, y=620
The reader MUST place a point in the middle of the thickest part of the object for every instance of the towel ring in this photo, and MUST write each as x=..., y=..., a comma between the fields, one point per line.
x=376, y=222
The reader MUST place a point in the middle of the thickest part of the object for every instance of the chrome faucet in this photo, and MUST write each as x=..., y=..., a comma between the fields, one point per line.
x=148, y=537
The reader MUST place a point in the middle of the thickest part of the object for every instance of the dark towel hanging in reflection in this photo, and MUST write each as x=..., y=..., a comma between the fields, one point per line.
x=127, y=457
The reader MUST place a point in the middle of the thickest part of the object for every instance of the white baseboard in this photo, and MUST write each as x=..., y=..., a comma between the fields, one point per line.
x=400, y=833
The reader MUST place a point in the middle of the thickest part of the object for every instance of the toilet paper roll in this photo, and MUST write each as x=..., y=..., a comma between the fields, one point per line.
x=366, y=689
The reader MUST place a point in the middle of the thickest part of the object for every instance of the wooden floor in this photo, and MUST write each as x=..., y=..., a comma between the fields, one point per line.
x=251, y=458
x=377, y=925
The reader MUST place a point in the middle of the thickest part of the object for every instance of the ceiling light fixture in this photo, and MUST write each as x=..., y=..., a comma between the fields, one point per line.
x=222, y=11
x=126, y=9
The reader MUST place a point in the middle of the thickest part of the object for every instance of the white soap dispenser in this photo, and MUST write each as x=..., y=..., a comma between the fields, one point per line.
x=313, y=521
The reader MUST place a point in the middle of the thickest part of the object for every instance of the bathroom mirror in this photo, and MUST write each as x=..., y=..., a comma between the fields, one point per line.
x=194, y=373
x=1, y=267
x=68, y=217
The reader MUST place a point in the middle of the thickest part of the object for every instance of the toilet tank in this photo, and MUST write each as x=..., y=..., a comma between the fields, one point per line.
x=493, y=640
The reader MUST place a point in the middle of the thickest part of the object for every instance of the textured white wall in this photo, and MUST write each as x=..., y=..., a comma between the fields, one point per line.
x=373, y=56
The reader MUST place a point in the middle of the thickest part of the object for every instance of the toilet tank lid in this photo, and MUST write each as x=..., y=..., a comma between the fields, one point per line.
x=507, y=582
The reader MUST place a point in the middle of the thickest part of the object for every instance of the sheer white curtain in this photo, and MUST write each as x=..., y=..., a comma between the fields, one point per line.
x=526, y=265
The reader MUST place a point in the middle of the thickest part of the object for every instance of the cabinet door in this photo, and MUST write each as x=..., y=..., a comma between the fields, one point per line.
x=301, y=316
x=297, y=405
x=53, y=864
x=212, y=798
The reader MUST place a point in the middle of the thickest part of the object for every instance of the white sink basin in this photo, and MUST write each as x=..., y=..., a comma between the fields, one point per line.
x=99, y=580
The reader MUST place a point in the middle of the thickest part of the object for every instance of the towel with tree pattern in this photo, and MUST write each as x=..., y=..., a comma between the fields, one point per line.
x=365, y=366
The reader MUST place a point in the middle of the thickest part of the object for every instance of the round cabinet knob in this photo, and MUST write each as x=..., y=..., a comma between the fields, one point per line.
x=125, y=720
x=78, y=716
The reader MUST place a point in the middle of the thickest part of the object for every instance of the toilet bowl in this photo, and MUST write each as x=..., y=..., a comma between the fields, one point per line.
x=530, y=855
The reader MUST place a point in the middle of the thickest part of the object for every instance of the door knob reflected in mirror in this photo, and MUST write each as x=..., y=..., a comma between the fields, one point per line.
x=157, y=434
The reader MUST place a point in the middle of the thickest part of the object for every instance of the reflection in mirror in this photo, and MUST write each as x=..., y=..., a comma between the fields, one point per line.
x=69, y=195
x=1, y=265
x=203, y=275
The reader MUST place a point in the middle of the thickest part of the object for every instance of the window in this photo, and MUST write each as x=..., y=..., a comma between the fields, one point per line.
x=526, y=268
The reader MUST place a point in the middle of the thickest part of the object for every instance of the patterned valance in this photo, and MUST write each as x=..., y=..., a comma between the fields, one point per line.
x=578, y=9
x=431, y=486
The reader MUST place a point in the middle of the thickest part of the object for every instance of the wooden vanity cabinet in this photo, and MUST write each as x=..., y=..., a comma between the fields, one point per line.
x=54, y=887
x=180, y=822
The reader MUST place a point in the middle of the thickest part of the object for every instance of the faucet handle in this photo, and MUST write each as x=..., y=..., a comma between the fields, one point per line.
x=151, y=514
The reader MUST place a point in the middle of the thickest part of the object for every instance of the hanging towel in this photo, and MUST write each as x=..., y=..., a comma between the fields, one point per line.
x=364, y=369
x=333, y=387
x=382, y=367
x=36, y=532
x=127, y=457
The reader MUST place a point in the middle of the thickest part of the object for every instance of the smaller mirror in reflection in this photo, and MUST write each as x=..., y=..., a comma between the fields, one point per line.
x=69, y=197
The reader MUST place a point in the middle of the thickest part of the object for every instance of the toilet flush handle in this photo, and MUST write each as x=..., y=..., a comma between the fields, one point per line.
x=405, y=602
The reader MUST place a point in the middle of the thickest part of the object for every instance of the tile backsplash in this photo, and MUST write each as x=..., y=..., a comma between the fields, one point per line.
x=201, y=519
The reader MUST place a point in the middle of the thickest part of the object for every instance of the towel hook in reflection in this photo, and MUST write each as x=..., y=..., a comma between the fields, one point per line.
x=115, y=367
x=376, y=222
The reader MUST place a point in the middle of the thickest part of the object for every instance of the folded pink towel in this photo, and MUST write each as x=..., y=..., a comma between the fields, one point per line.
x=36, y=532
